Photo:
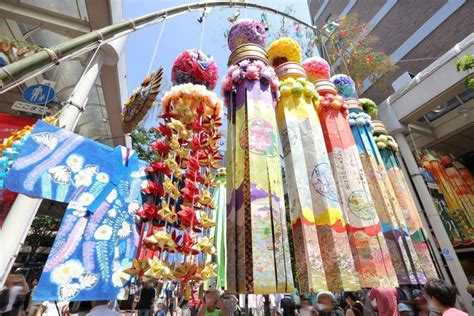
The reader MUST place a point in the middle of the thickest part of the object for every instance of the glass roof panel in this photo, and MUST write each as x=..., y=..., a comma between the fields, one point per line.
x=73, y=8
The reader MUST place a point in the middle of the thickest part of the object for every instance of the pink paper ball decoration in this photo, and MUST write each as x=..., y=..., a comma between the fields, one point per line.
x=317, y=69
x=194, y=66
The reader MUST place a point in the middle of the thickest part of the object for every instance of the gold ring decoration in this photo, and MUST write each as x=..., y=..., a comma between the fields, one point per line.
x=290, y=70
x=325, y=86
x=379, y=128
x=354, y=104
x=248, y=51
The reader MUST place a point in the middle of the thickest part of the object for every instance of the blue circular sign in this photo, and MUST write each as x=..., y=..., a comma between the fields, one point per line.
x=39, y=94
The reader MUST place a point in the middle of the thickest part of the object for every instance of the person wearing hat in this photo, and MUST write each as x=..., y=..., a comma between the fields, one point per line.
x=327, y=305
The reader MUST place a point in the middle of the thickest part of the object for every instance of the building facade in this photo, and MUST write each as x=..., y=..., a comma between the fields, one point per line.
x=413, y=33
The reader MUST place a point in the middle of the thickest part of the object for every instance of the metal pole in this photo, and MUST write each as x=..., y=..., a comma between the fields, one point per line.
x=50, y=55
x=24, y=208
x=447, y=249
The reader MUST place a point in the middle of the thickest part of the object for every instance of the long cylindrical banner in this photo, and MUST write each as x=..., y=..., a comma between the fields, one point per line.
x=388, y=147
x=322, y=249
x=369, y=247
x=257, y=242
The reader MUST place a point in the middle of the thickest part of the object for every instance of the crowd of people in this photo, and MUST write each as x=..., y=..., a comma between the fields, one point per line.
x=435, y=298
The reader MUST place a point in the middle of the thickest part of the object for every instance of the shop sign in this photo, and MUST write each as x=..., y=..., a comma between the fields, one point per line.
x=39, y=94
x=447, y=255
x=31, y=108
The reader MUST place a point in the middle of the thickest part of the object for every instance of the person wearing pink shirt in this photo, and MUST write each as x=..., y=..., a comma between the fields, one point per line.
x=386, y=300
x=443, y=296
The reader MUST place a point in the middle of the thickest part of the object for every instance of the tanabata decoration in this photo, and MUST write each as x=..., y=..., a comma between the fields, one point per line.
x=9, y=150
x=322, y=250
x=316, y=68
x=465, y=174
x=414, y=228
x=258, y=257
x=461, y=213
x=404, y=258
x=179, y=206
x=460, y=186
x=370, y=108
x=368, y=245
x=13, y=50
x=247, y=31
x=218, y=232
x=442, y=208
x=142, y=99
x=194, y=66
x=97, y=238
x=284, y=50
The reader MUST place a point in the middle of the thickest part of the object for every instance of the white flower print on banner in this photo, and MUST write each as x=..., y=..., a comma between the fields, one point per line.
x=125, y=231
x=83, y=178
x=102, y=177
x=112, y=213
x=75, y=162
x=75, y=267
x=90, y=170
x=80, y=212
x=63, y=274
x=112, y=196
x=85, y=199
x=115, y=266
x=120, y=278
x=103, y=232
x=133, y=207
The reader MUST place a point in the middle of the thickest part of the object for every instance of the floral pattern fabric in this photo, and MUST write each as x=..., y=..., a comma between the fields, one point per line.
x=97, y=238
x=322, y=250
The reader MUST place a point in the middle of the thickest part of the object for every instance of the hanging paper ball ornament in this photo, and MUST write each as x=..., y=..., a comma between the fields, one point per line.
x=247, y=31
x=284, y=50
x=194, y=66
x=345, y=86
x=316, y=69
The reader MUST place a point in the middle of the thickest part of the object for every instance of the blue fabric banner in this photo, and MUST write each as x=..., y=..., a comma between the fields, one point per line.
x=98, y=237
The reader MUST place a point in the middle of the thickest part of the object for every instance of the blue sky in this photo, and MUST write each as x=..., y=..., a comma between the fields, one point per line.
x=184, y=32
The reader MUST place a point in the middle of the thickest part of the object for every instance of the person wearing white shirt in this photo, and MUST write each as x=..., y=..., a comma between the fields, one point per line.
x=101, y=308
x=51, y=308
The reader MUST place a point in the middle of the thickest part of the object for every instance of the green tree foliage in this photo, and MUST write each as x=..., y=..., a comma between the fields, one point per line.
x=345, y=44
x=351, y=50
x=466, y=63
x=40, y=237
x=141, y=140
